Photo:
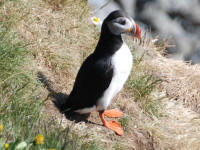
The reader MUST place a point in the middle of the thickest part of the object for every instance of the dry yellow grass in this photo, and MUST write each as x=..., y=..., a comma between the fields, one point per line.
x=178, y=128
x=181, y=80
x=61, y=37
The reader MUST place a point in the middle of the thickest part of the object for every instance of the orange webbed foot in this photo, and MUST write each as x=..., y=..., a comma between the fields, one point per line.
x=113, y=125
x=113, y=113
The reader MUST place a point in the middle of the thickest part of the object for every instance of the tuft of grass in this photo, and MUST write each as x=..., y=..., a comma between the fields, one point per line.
x=143, y=84
x=125, y=122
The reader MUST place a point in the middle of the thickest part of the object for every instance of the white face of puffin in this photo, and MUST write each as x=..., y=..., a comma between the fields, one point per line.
x=122, y=25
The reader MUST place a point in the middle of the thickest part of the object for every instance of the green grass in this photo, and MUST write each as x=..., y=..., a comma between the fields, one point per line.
x=143, y=83
x=22, y=101
x=125, y=122
x=143, y=86
x=19, y=102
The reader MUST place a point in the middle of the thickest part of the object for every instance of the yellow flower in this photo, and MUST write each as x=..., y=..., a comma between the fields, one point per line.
x=51, y=149
x=39, y=139
x=1, y=127
x=6, y=146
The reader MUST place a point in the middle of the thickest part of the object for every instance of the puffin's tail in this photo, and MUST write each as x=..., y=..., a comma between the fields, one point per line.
x=61, y=102
x=59, y=99
x=65, y=105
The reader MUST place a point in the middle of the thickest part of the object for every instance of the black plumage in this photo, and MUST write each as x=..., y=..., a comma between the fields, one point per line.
x=96, y=72
x=103, y=74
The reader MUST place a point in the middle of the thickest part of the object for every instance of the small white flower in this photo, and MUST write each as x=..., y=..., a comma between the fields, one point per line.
x=97, y=22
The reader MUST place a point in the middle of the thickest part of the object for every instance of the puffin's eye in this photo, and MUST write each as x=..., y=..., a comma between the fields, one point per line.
x=123, y=22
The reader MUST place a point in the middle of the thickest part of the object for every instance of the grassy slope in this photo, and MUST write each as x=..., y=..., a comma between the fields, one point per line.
x=60, y=36
x=22, y=98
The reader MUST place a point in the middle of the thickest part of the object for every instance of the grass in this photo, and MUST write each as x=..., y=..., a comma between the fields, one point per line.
x=19, y=102
x=125, y=122
x=21, y=106
x=181, y=80
x=57, y=36
x=56, y=3
x=22, y=101
x=143, y=83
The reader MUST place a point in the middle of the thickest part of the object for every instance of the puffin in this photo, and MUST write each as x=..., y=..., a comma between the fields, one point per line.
x=104, y=72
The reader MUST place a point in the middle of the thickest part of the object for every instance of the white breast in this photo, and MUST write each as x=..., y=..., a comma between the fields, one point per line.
x=122, y=63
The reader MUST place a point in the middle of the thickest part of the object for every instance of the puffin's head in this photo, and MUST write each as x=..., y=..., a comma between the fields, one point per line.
x=119, y=23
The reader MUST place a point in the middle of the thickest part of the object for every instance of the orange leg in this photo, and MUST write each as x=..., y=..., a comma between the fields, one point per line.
x=113, y=125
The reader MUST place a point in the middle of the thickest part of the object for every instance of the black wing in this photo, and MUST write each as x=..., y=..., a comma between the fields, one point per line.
x=92, y=80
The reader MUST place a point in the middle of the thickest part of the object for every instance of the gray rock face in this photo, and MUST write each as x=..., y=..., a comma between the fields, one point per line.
x=177, y=20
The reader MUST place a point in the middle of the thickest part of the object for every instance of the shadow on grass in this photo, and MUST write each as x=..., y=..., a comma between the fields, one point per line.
x=59, y=99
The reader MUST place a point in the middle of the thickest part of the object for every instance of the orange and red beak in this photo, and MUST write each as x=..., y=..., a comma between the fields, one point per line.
x=137, y=32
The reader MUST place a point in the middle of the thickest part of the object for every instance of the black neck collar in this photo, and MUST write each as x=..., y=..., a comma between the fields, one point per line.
x=108, y=43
